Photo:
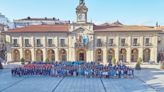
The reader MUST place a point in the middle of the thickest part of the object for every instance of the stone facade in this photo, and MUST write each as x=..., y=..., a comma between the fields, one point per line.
x=104, y=42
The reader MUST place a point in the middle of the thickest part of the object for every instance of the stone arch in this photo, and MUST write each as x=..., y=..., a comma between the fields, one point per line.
x=123, y=55
x=27, y=55
x=110, y=55
x=63, y=55
x=134, y=55
x=99, y=55
x=81, y=55
x=51, y=55
x=146, y=55
x=16, y=55
x=39, y=55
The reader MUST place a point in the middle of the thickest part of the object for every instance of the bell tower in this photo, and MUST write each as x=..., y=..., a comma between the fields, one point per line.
x=81, y=12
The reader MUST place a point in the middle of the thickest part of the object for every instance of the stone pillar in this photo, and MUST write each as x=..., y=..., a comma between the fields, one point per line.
x=9, y=56
x=44, y=54
x=57, y=55
x=104, y=56
x=153, y=54
x=128, y=55
x=33, y=54
x=117, y=54
x=21, y=53
x=140, y=53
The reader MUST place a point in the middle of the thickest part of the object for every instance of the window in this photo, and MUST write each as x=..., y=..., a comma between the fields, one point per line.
x=111, y=42
x=15, y=42
x=147, y=41
x=50, y=42
x=122, y=42
x=38, y=42
x=135, y=42
x=99, y=43
x=27, y=44
x=62, y=42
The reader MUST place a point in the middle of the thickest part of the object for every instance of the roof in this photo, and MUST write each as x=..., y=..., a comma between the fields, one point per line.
x=29, y=19
x=40, y=19
x=40, y=29
x=106, y=28
x=161, y=27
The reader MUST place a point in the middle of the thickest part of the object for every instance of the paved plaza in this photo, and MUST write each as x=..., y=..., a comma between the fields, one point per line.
x=146, y=80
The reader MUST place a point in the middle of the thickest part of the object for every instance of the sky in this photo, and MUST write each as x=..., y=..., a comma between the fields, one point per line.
x=130, y=12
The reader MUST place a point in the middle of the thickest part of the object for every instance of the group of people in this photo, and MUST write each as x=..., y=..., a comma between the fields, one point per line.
x=33, y=69
x=82, y=69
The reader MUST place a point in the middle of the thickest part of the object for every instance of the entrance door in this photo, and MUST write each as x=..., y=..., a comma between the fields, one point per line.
x=81, y=57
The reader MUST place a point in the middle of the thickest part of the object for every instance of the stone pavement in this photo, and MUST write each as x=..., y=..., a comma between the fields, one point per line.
x=152, y=77
x=74, y=84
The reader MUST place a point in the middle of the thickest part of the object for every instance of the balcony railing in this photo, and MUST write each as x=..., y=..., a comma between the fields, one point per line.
x=28, y=45
x=62, y=45
x=39, y=45
x=99, y=45
x=136, y=44
x=80, y=45
x=15, y=45
x=148, y=44
x=124, y=44
x=111, y=44
x=51, y=45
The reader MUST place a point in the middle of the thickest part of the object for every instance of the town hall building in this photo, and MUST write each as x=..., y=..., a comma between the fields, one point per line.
x=83, y=41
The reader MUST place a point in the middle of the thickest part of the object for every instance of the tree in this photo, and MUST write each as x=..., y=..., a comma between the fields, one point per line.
x=138, y=64
x=22, y=61
x=113, y=61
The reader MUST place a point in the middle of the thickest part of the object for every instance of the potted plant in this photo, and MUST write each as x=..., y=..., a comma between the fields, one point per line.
x=22, y=61
x=138, y=64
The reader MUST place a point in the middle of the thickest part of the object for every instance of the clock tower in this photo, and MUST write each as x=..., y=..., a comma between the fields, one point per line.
x=81, y=12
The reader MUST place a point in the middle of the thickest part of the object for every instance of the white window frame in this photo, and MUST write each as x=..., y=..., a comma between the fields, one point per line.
x=40, y=41
x=48, y=39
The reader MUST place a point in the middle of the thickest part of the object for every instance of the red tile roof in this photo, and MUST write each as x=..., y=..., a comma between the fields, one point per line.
x=124, y=28
x=40, y=29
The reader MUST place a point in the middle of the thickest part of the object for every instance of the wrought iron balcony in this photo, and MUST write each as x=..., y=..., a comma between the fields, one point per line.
x=124, y=44
x=148, y=44
x=136, y=44
x=62, y=45
x=15, y=45
x=51, y=45
x=28, y=45
x=39, y=45
x=111, y=44
x=80, y=45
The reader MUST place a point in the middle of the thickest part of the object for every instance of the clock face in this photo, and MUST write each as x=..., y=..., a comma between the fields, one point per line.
x=81, y=17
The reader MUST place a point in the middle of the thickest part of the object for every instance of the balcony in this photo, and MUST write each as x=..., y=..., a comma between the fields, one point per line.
x=15, y=45
x=62, y=45
x=80, y=45
x=28, y=45
x=111, y=44
x=136, y=44
x=148, y=44
x=51, y=45
x=124, y=44
x=39, y=45
x=101, y=44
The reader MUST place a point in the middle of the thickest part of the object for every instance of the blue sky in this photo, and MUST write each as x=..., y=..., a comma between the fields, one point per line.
x=139, y=12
